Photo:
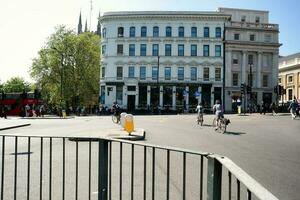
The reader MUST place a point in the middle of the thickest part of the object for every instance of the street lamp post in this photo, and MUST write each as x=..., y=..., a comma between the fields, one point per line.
x=157, y=82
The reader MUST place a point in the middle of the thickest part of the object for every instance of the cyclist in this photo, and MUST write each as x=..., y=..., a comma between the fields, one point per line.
x=116, y=109
x=218, y=111
x=294, y=108
x=199, y=110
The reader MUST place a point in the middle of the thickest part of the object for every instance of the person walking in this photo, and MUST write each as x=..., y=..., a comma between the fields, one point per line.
x=274, y=109
x=294, y=108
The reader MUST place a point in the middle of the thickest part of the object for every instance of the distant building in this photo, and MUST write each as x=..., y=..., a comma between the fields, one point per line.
x=289, y=76
x=79, y=26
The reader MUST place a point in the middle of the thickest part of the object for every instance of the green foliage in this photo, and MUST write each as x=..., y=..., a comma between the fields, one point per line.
x=67, y=69
x=16, y=84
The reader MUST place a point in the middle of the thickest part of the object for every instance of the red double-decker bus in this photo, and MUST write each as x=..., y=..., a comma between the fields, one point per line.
x=15, y=102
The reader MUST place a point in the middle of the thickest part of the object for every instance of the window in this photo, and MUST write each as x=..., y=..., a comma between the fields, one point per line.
x=290, y=79
x=243, y=18
x=155, y=50
x=250, y=59
x=168, y=31
x=131, y=72
x=120, y=49
x=193, y=73
x=168, y=50
x=218, y=50
x=119, y=94
x=181, y=31
x=144, y=31
x=120, y=32
x=235, y=61
x=131, y=49
x=206, y=50
x=143, y=49
x=279, y=80
x=265, y=80
x=206, y=74
x=217, y=74
x=206, y=32
x=252, y=37
x=268, y=38
x=290, y=91
x=154, y=73
x=180, y=50
x=236, y=36
x=132, y=31
x=167, y=73
x=218, y=32
x=257, y=19
x=103, y=49
x=119, y=73
x=142, y=73
x=155, y=31
x=104, y=33
x=235, y=79
x=103, y=72
x=194, y=32
x=180, y=73
x=193, y=50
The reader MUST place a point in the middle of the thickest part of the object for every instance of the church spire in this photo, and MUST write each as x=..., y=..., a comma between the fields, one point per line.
x=79, y=31
x=85, y=28
x=98, y=32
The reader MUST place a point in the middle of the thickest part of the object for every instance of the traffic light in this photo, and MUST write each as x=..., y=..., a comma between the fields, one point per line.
x=249, y=89
x=243, y=88
x=280, y=90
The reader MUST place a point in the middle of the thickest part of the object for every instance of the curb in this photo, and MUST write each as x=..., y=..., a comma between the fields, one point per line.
x=12, y=127
x=46, y=118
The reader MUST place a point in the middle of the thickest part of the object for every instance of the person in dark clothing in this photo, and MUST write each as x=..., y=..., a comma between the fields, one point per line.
x=5, y=110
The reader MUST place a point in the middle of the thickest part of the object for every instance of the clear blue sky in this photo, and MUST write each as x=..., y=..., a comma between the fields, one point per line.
x=25, y=25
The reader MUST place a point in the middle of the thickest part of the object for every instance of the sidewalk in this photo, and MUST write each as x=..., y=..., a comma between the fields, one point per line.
x=6, y=124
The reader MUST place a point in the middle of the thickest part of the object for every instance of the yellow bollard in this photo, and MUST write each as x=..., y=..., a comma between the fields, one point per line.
x=239, y=110
x=129, y=126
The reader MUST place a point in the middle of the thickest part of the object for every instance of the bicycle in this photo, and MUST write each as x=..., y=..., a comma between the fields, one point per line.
x=116, y=118
x=220, y=125
x=200, y=119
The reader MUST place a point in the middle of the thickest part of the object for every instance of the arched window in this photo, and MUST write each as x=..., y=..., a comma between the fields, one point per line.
x=168, y=31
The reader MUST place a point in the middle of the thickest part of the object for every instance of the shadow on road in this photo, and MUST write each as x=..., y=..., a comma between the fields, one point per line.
x=21, y=153
x=234, y=133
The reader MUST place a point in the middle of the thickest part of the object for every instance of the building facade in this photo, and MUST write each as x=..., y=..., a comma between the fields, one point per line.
x=171, y=60
x=251, y=54
x=174, y=60
x=289, y=77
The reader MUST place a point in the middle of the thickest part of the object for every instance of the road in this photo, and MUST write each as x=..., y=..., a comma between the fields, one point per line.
x=266, y=147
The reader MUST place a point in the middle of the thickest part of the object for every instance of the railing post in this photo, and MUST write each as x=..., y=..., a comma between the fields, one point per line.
x=214, y=179
x=103, y=170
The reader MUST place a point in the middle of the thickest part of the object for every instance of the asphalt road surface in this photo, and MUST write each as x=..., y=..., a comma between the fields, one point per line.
x=266, y=147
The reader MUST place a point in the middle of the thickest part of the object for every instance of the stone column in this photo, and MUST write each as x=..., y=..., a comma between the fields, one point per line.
x=161, y=96
x=244, y=66
x=148, y=95
x=212, y=89
x=187, y=97
x=137, y=97
x=174, y=98
x=258, y=70
x=125, y=96
x=228, y=69
x=275, y=74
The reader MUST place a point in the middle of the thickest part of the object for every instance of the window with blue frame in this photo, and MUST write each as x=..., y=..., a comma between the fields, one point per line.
x=181, y=31
x=131, y=49
x=104, y=32
x=193, y=73
x=143, y=49
x=168, y=49
x=154, y=73
x=132, y=31
x=194, y=32
x=142, y=73
x=193, y=50
x=168, y=31
x=218, y=32
x=143, y=31
x=167, y=73
x=206, y=32
x=180, y=73
x=206, y=50
x=180, y=50
x=131, y=72
x=155, y=31
x=218, y=50
x=155, y=50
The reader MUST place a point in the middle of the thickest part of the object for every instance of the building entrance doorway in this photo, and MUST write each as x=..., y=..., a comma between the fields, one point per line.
x=130, y=103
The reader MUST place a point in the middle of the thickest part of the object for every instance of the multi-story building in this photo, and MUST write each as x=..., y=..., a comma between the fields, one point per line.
x=251, y=50
x=162, y=58
x=289, y=76
x=176, y=59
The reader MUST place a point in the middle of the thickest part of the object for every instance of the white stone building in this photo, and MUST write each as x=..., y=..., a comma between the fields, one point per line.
x=162, y=58
x=251, y=45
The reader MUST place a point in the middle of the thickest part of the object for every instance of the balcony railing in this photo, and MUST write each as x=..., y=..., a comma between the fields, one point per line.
x=253, y=25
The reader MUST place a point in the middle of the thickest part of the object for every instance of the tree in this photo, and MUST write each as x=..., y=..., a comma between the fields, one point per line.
x=67, y=69
x=16, y=84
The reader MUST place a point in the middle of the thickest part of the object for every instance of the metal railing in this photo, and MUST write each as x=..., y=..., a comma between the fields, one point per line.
x=106, y=168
